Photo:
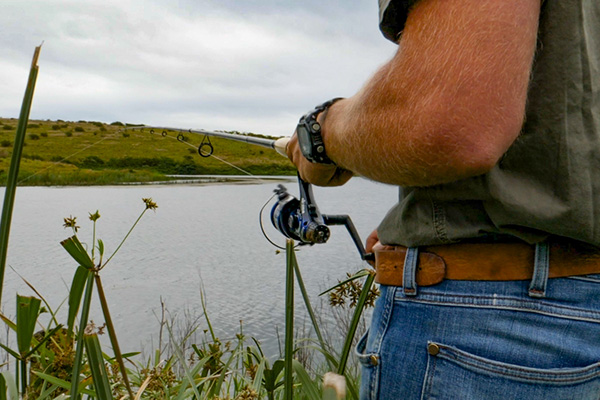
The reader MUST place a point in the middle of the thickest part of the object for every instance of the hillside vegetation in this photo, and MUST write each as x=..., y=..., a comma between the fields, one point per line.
x=96, y=153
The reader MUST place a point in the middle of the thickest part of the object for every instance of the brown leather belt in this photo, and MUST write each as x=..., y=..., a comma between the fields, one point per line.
x=483, y=262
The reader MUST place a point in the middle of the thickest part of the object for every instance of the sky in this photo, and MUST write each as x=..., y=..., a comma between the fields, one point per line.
x=234, y=65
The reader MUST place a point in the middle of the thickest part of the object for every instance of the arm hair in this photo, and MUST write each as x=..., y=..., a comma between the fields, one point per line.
x=449, y=103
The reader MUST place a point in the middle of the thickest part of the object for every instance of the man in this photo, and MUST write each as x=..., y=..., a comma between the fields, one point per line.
x=488, y=116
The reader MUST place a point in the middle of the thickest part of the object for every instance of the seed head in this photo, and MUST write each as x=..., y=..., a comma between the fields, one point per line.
x=71, y=222
x=94, y=217
x=150, y=205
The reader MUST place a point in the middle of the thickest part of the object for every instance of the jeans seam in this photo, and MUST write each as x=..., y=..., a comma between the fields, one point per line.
x=466, y=359
x=525, y=301
x=385, y=318
x=429, y=377
x=583, y=278
x=378, y=339
x=499, y=307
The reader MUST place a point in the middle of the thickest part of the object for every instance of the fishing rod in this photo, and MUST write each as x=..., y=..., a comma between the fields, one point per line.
x=296, y=218
x=205, y=149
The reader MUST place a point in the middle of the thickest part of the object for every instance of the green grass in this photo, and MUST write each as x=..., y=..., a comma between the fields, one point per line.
x=96, y=153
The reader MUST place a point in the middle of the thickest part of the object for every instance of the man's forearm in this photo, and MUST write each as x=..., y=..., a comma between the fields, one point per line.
x=449, y=103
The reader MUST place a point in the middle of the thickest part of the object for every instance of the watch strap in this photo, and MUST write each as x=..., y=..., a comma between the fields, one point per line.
x=316, y=148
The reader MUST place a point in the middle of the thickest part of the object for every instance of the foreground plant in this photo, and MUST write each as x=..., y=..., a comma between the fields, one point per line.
x=69, y=362
x=86, y=275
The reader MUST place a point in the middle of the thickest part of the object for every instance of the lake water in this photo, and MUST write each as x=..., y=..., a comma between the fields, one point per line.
x=201, y=237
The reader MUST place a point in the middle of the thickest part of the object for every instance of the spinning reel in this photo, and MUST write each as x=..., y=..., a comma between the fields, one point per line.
x=300, y=219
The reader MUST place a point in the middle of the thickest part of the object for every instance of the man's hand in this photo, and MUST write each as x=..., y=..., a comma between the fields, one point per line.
x=317, y=174
x=372, y=240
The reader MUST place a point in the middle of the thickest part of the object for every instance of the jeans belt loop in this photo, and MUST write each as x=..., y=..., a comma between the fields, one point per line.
x=409, y=277
x=541, y=268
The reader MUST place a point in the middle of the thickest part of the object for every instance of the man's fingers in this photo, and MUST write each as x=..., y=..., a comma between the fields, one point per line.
x=371, y=241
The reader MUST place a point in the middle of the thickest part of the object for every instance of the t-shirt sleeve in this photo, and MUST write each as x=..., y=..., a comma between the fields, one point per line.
x=392, y=17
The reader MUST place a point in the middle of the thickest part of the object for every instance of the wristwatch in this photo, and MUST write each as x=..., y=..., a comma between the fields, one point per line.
x=309, y=135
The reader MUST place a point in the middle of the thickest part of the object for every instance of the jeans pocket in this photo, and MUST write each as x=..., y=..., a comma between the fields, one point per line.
x=370, y=372
x=454, y=374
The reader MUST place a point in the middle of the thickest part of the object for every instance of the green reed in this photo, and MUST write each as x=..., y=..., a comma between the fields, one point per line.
x=11, y=184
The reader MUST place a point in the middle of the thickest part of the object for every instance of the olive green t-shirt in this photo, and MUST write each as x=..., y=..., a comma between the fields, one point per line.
x=548, y=182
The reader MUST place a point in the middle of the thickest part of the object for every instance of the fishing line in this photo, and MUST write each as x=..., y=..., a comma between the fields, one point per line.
x=64, y=159
x=206, y=143
x=262, y=226
x=181, y=138
x=205, y=149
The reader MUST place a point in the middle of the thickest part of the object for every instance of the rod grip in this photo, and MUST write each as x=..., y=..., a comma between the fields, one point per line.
x=280, y=144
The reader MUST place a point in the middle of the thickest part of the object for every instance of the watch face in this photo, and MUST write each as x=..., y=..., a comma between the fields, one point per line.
x=304, y=140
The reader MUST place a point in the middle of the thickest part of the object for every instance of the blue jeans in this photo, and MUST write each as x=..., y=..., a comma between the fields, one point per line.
x=485, y=340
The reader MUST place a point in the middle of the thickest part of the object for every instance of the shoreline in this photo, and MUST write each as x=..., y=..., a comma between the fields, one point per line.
x=201, y=180
x=196, y=180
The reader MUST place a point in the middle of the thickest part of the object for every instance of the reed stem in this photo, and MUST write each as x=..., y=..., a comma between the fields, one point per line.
x=311, y=313
x=112, y=334
x=360, y=305
x=13, y=173
x=85, y=312
x=289, y=321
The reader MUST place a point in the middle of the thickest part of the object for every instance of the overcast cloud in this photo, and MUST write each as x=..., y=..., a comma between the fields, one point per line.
x=252, y=66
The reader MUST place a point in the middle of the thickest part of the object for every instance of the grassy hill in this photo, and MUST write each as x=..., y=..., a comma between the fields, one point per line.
x=95, y=153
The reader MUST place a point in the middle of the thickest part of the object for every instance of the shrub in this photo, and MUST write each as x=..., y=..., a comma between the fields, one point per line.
x=7, y=128
x=117, y=123
x=33, y=157
x=44, y=134
x=163, y=165
x=91, y=162
x=79, y=129
x=33, y=125
x=56, y=127
x=126, y=135
x=6, y=143
x=69, y=134
x=33, y=136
